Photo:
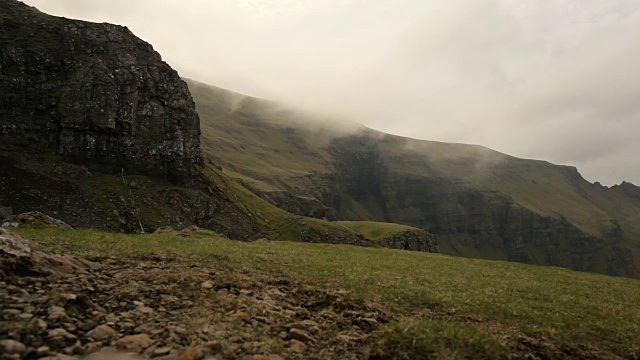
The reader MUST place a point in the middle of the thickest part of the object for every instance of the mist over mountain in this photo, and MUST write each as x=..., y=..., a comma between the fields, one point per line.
x=477, y=201
x=543, y=80
x=144, y=215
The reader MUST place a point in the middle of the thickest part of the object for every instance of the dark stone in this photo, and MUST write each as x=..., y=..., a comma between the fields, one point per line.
x=94, y=94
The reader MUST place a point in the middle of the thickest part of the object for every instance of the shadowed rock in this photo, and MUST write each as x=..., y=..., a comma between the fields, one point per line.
x=23, y=257
x=95, y=94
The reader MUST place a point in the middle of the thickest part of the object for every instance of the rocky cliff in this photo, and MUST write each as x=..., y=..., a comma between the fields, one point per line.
x=469, y=219
x=95, y=94
x=97, y=130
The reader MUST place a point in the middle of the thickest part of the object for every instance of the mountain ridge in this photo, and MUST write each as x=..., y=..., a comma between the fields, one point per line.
x=475, y=199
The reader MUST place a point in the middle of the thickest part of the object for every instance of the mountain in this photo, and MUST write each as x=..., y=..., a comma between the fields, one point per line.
x=478, y=202
x=97, y=133
x=97, y=130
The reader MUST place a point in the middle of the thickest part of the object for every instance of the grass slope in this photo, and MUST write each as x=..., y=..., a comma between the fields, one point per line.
x=281, y=225
x=130, y=202
x=277, y=150
x=233, y=129
x=438, y=305
x=376, y=230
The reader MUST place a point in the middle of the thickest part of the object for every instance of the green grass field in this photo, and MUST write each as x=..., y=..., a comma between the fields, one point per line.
x=441, y=305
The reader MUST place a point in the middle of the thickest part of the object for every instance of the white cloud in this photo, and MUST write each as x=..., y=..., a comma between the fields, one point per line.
x=553, y=79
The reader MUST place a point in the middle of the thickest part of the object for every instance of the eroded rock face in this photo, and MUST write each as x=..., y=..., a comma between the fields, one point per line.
x=95, y=94
x=416, y=240
x=464, y=215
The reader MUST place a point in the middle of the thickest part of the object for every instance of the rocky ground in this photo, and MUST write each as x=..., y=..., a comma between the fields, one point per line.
x=63, y=307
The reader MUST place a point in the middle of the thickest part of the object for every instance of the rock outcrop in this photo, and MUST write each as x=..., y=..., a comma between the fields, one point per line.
x=416, y=240
x=94, y=94
x=22, y=257
x=467, y=216
x=34, y=217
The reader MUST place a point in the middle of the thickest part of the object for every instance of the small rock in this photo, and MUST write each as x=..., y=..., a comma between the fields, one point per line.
x=366, y=323
x=209, y=350
x=207, y=284
x=59, y=357
x=24, y=317
x=68, y=297
x=69, y=326
x=42, y=351
x=306, y=325
x=59, y=332
x=223, y=292
x=76, y=348
x=144, y=309
x=110, y=354
x=298, y=346
x=92, y=347
x=161, y=351
x=144, y=328
x=276, y=291
x=56, y=313
x=299, y=334
x=12, y=347
x=88, y=325
x=111, y=318
x=127, y=325
x=10, y=313
x=39, y=324
x=102, y=333
x=134, y=343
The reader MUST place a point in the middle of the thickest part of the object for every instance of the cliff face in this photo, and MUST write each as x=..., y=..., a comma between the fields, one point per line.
x=411, y=240
x=468, y=219
x=95, y=94
x=97, y=130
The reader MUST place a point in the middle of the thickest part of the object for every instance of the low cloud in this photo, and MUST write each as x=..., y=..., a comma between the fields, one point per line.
x=554, y=80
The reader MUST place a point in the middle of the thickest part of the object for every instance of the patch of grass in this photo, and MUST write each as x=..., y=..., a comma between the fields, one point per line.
x=566, y=307
x=428, y=339
x=376, y=230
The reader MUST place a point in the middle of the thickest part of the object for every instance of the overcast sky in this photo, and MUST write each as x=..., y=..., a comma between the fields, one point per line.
x=557, y=80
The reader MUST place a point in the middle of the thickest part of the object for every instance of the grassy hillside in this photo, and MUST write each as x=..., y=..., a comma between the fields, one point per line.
x=481, y=203
x=233, y=128
x=135, y=203
x=427, y=304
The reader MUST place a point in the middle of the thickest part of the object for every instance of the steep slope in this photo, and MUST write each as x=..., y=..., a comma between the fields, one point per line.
x=94, y=93
x=479, y=202
x=97, y=130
